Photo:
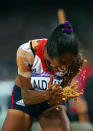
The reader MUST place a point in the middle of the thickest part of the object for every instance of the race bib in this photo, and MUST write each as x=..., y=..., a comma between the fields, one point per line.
x=40, y=81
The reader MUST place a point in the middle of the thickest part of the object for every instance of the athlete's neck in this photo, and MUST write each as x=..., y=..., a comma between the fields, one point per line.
x=45, y=55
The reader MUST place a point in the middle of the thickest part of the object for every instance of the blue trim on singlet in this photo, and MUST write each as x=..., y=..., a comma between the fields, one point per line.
x=46, y=74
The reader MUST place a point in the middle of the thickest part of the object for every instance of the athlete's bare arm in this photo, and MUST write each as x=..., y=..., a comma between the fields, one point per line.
x=24, y=59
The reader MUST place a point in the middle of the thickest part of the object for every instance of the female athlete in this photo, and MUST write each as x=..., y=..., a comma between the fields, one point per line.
x=45, y=68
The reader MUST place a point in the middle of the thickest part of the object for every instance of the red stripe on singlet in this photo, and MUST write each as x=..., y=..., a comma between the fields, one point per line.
x=40, y=53
x=12, y=101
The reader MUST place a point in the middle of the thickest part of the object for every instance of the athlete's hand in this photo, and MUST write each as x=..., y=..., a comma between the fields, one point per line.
x=55, y=92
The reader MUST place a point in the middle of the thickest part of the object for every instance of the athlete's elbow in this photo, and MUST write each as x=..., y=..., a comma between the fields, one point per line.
x=25, y=96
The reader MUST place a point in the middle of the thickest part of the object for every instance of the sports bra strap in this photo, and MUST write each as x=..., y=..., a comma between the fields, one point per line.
x=32, y=48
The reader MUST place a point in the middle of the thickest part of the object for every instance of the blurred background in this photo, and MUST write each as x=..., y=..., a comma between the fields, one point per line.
x=24, y=20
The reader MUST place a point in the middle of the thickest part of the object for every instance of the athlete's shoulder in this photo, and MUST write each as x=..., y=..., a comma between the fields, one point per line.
x=27, y=46
x=25, y=56
x=36, y=43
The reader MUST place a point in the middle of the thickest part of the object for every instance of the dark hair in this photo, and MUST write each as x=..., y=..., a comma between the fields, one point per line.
x=61, y=42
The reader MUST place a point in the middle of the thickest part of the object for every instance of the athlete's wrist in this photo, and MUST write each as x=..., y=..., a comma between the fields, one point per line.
x=46, y=95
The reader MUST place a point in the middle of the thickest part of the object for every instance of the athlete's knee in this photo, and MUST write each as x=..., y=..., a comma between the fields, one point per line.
x=55, y=120
x=16, y=121
x=7, y=128
x=55, y=124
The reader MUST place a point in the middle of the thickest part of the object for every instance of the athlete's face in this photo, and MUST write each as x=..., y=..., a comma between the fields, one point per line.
x=59, y=64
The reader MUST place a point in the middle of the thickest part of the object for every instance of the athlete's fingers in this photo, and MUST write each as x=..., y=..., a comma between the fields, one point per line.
x=52, y=87
x=56, y=92
x=51, y=81
x=59, y=92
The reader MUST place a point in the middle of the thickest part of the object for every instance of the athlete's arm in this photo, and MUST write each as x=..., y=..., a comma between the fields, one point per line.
x=25, y=59
x=31, y=96
x=24, y=62
x=34, y=97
